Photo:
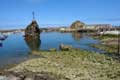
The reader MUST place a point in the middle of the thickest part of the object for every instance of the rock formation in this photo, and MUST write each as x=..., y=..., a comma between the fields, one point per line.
x=65, y=47
x=32, y=29
x=32, y=35
x=77, y=25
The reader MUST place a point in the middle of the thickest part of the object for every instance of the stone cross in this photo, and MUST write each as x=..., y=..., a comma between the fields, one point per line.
x=33, y=16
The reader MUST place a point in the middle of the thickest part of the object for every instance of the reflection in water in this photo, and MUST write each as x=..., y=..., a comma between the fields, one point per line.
x=1, y=45
x=33, y=42
x=77, y=35
x=2, y=38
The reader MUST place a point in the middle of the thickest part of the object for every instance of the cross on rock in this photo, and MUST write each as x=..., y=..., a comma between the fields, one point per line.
x=33, y=16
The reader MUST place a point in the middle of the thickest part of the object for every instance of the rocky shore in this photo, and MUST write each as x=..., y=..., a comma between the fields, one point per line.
x=109, y=43
x=31, y=76
x=74, y=64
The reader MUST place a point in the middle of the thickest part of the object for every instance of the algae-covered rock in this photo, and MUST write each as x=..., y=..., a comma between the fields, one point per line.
x=71, y=65
x=32, y=36
x=32, y=29
x=65, y=47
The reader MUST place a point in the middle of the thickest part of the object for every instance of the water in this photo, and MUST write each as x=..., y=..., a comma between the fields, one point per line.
x=16, y=48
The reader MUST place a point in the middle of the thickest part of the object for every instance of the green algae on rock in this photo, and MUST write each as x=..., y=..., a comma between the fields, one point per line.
x=73, y=65
x=32, y=29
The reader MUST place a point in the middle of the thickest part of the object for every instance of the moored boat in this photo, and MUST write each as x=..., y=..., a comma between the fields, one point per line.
x=3, y=37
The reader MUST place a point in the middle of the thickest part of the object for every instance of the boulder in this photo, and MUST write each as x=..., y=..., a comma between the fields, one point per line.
x=65, y=47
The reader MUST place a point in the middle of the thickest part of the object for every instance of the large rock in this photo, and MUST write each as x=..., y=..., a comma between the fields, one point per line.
x=65, y=47
x=32, y=29
x=77, y=25
x=32, y=36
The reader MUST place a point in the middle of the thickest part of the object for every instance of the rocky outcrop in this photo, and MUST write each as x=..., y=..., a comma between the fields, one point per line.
x=77, y=25
x=32, y=36
x=32, y=29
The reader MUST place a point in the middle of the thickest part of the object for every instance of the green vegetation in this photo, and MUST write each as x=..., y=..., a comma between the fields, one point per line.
x=109, y=43
x=107, y=48
x=106, y=37
x=73, y=65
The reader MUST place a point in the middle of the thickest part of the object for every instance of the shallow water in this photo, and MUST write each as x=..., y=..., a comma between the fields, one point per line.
x=15, y=48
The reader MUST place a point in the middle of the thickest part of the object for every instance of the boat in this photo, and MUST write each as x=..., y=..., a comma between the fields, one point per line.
x=3, y=37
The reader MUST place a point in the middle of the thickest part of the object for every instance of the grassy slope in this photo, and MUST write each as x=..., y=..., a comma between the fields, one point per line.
x=73, y=65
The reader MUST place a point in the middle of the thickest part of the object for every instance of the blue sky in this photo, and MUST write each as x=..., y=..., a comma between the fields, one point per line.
x=59, y=12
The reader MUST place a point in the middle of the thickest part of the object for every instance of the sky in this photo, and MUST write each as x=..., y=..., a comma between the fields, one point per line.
x=18, y=13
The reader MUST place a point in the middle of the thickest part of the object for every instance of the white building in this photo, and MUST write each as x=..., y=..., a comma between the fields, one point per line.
x=99, y=26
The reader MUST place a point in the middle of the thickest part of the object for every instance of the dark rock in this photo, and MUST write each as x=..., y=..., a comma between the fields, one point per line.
x=1, y=72
x=32, y=36
x=32, y=29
